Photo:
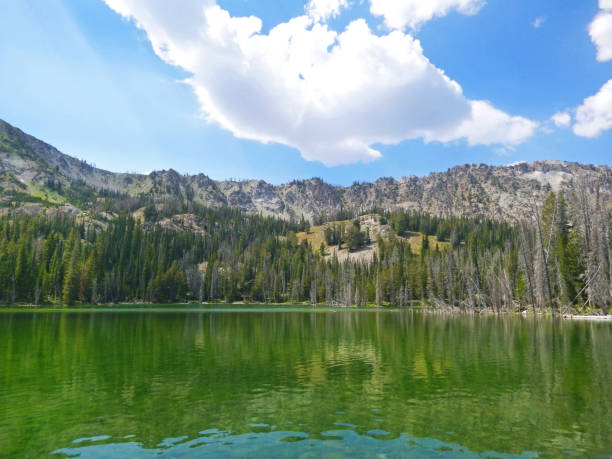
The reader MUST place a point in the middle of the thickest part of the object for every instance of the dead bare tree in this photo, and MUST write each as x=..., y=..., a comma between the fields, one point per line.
x=526, y=254
x=542, y=266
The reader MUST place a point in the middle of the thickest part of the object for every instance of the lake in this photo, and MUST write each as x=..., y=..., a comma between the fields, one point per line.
x=301, y=382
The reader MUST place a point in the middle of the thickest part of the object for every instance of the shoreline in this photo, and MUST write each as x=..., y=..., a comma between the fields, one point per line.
x=281, y=306
x=588, y=317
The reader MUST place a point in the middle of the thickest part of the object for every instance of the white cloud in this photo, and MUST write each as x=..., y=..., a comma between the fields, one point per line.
x=595, y=115
x=399, y=14
x=322, y=10
x=487, y=125
x=330, y=95
x=562, y=119
x=600, y=31
x=538, y=22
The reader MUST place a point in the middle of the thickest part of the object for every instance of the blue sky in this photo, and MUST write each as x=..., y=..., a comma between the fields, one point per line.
x=84, y=78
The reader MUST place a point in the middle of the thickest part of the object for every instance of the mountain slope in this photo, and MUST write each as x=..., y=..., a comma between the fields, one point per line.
x=35, y=172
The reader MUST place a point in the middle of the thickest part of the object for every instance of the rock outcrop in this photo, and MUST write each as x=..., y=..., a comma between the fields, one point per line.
x=479, y=190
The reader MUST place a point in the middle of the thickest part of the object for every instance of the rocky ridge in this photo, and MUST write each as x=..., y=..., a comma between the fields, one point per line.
x=28, y=165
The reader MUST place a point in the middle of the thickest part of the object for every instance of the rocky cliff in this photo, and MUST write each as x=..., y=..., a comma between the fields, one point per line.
x=32, y=168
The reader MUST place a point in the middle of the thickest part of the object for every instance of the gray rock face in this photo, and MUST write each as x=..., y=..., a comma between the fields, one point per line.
x=479, y=190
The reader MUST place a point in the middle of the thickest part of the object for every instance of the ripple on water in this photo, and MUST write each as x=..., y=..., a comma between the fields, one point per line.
x=345, y=424
x=91, y=439
x=341, y=443
x=503, y=385
x=169, y=442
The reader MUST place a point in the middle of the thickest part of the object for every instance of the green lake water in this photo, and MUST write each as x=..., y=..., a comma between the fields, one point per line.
x=278, y=382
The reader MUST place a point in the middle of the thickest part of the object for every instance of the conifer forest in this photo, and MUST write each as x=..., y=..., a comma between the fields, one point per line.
x=559, y=259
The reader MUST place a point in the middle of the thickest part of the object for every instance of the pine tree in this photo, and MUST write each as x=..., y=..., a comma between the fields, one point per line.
x=71, y=278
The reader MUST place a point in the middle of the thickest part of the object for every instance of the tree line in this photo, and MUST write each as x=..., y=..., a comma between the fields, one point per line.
x=559, y=259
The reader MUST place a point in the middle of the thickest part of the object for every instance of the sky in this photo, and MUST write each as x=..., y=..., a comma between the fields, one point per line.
x=345, y=90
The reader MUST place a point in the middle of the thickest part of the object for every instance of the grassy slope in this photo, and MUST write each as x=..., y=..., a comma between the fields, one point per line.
x=316, y=236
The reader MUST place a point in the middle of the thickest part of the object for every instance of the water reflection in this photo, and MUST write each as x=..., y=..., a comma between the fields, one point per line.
x=501, y=384
x=339, y=443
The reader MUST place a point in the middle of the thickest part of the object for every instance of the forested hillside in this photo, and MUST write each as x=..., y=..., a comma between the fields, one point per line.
x=526, y=236
x=561, y=262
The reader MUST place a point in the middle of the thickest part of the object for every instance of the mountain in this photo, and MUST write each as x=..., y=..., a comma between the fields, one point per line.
x=35, y=176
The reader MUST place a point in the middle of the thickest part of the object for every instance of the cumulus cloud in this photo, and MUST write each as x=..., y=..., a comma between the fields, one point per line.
x=322, y=10
x=399, y=14
x=600, y=31
x=605, y=4
x=562, y=119
x=487, y=125
x=594, y=116
x=330, y=95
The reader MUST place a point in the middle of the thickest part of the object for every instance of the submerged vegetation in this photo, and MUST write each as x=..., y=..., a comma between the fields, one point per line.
x=560, y=260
